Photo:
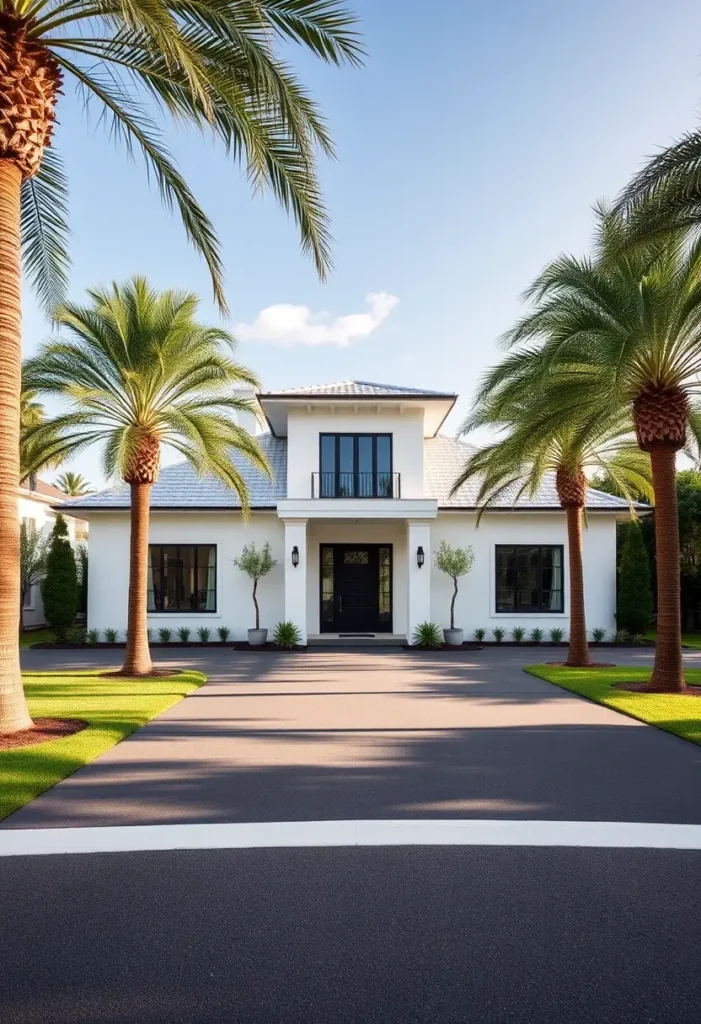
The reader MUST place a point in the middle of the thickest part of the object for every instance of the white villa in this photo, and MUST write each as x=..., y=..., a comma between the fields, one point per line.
x=359, y=503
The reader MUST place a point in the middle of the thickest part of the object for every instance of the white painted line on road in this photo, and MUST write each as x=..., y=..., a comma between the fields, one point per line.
x=401, y=832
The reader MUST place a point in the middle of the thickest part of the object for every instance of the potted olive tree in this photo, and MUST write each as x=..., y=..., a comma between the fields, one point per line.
x=256, y=564
x=454, y=562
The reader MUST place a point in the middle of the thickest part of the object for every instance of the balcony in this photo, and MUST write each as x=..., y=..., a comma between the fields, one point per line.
x=356, y=485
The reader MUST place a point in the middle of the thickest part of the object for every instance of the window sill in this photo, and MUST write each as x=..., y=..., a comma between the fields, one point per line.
x=530, y=615
x=184, y=614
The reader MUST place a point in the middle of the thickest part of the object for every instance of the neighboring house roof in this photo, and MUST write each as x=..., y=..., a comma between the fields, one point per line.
x=444, y=457
x=42, y=489
x=179, y=486
x=355, y=389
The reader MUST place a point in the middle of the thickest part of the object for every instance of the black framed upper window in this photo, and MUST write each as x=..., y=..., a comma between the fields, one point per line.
x=529, y=578
x=355, y=466
x=182, y=578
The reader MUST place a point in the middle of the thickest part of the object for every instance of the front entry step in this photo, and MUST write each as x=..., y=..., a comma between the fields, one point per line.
x=337, y=640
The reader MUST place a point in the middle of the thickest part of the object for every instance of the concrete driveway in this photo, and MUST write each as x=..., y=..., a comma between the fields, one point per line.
x=386, y=734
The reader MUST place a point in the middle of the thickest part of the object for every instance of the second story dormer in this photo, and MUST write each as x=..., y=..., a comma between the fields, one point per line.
x=355, y=439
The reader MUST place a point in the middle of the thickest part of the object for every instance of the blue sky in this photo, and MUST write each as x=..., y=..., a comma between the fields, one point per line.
x=470, y=150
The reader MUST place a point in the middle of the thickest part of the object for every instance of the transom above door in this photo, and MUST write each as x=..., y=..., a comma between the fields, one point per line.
x=356, y=588
x=356, y=466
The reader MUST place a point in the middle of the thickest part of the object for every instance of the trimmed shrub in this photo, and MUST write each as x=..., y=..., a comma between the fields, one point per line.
x=59, y=588
x=556, y=635
x=184, y=634
x=518, y=634
x=634, y=583
x=204, y=634
x=223, y=633
x=499, y=634
x=111, y=636
x=622, y=636
x=427, y=635
x=165, y=635
x=77, y=635
x=480, y=634
x=93, y=636
x=598, y=635
x=287, y=635
x=536, y=636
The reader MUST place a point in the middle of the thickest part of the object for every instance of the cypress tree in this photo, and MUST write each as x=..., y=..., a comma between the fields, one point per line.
x=59, y=588
x=634, y=583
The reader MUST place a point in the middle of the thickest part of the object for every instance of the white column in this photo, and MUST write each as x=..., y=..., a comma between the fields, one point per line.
x=296, y=576
x=419, y=598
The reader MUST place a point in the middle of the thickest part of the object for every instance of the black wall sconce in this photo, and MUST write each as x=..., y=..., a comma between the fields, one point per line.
x=295, y=556
x=420, y=556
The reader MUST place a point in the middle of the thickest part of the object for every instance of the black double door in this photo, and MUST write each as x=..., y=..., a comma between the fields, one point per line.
x=356, y=588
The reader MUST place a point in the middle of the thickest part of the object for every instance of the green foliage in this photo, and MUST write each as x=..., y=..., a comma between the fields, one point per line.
x=223, y=632
x=212, y=66
x=81, y=565
x=598, y=635
x=622, y=636
x=184, y=634
x=204, y=634
x=556, y=635
x=136, y=356
x=536, y=636
x=634, y=583
x=499, y=634
x=111, y=636
x=427, y=635
x=518, y=633
x=165, y=635
x=74, y=484
x=59, y=587
x=287, y=635
x=454, y=562
x=76, y=635
x=480, y=635
x=93, y=636
x=255, y=563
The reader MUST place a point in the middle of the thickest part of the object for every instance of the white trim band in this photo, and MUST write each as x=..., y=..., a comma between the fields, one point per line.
x=403, y=832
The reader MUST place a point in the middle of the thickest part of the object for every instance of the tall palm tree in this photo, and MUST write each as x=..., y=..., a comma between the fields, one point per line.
x=139, y=373
x=211, y=64
x=542, y=438
x=74, y=484
x=633, y=318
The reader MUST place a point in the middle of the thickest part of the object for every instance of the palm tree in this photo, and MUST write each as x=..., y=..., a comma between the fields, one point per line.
x=632, y=319
x=140, y=373
x=542, y=438
x=74, y=484
x=211, y=64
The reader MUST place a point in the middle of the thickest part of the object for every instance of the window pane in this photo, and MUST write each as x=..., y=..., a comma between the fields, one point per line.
x=327, y=584
x=506, y=575
x=356, y=557
x=529, y=578
x=384, y=454
x=171, y=572
x=346, y=465
x=365, y=475
x=327, y=478
x=182, y=578
x=385, y=595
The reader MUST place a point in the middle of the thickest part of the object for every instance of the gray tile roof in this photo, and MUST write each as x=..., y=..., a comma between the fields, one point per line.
x=356, y=388
x=444, y=457
x=179, y=486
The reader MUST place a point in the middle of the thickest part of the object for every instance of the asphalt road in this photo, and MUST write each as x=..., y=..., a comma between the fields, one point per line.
x=378, y=936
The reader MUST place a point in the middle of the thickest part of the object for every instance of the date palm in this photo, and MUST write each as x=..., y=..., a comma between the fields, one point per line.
x=140, y=373
x=632, y=318
x=211, y=64
x=524, y=399
x=74, y=484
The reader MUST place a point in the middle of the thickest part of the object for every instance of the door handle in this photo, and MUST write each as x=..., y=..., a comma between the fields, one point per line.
x=340, y=602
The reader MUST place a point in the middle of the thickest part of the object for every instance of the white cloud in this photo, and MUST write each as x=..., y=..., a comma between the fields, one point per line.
x=285, y=324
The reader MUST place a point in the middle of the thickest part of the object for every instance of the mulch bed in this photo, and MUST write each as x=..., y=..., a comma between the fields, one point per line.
x=466, y=646
x=243, y=645
x=691, y=690
x=44, y=730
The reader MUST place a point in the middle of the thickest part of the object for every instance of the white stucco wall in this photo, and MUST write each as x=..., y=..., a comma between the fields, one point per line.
x=304, y=428
x=475, y=606
x=108, y=571
x=38, y=510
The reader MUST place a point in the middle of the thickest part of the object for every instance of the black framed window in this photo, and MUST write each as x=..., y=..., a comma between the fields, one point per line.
x=355, y=466
x=530, y=578
x=182, y=578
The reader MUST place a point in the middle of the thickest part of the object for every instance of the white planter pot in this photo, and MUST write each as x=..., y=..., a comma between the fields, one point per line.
x=257, y=637
x=453, y=637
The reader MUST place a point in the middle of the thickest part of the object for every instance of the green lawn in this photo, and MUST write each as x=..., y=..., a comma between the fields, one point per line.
x=688, y=639
x=673, y=712
x=36, y=636
x=113, y=708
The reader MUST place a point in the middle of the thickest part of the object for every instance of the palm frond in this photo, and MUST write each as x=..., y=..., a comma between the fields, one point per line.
x=44, y=227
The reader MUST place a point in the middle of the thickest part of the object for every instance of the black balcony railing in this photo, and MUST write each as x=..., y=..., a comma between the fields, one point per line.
x=356, y=485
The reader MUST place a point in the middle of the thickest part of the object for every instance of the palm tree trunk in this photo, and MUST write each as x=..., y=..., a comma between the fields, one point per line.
x=668, y=672
x=14, y=714
x=137, y=659
x=578, y=651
